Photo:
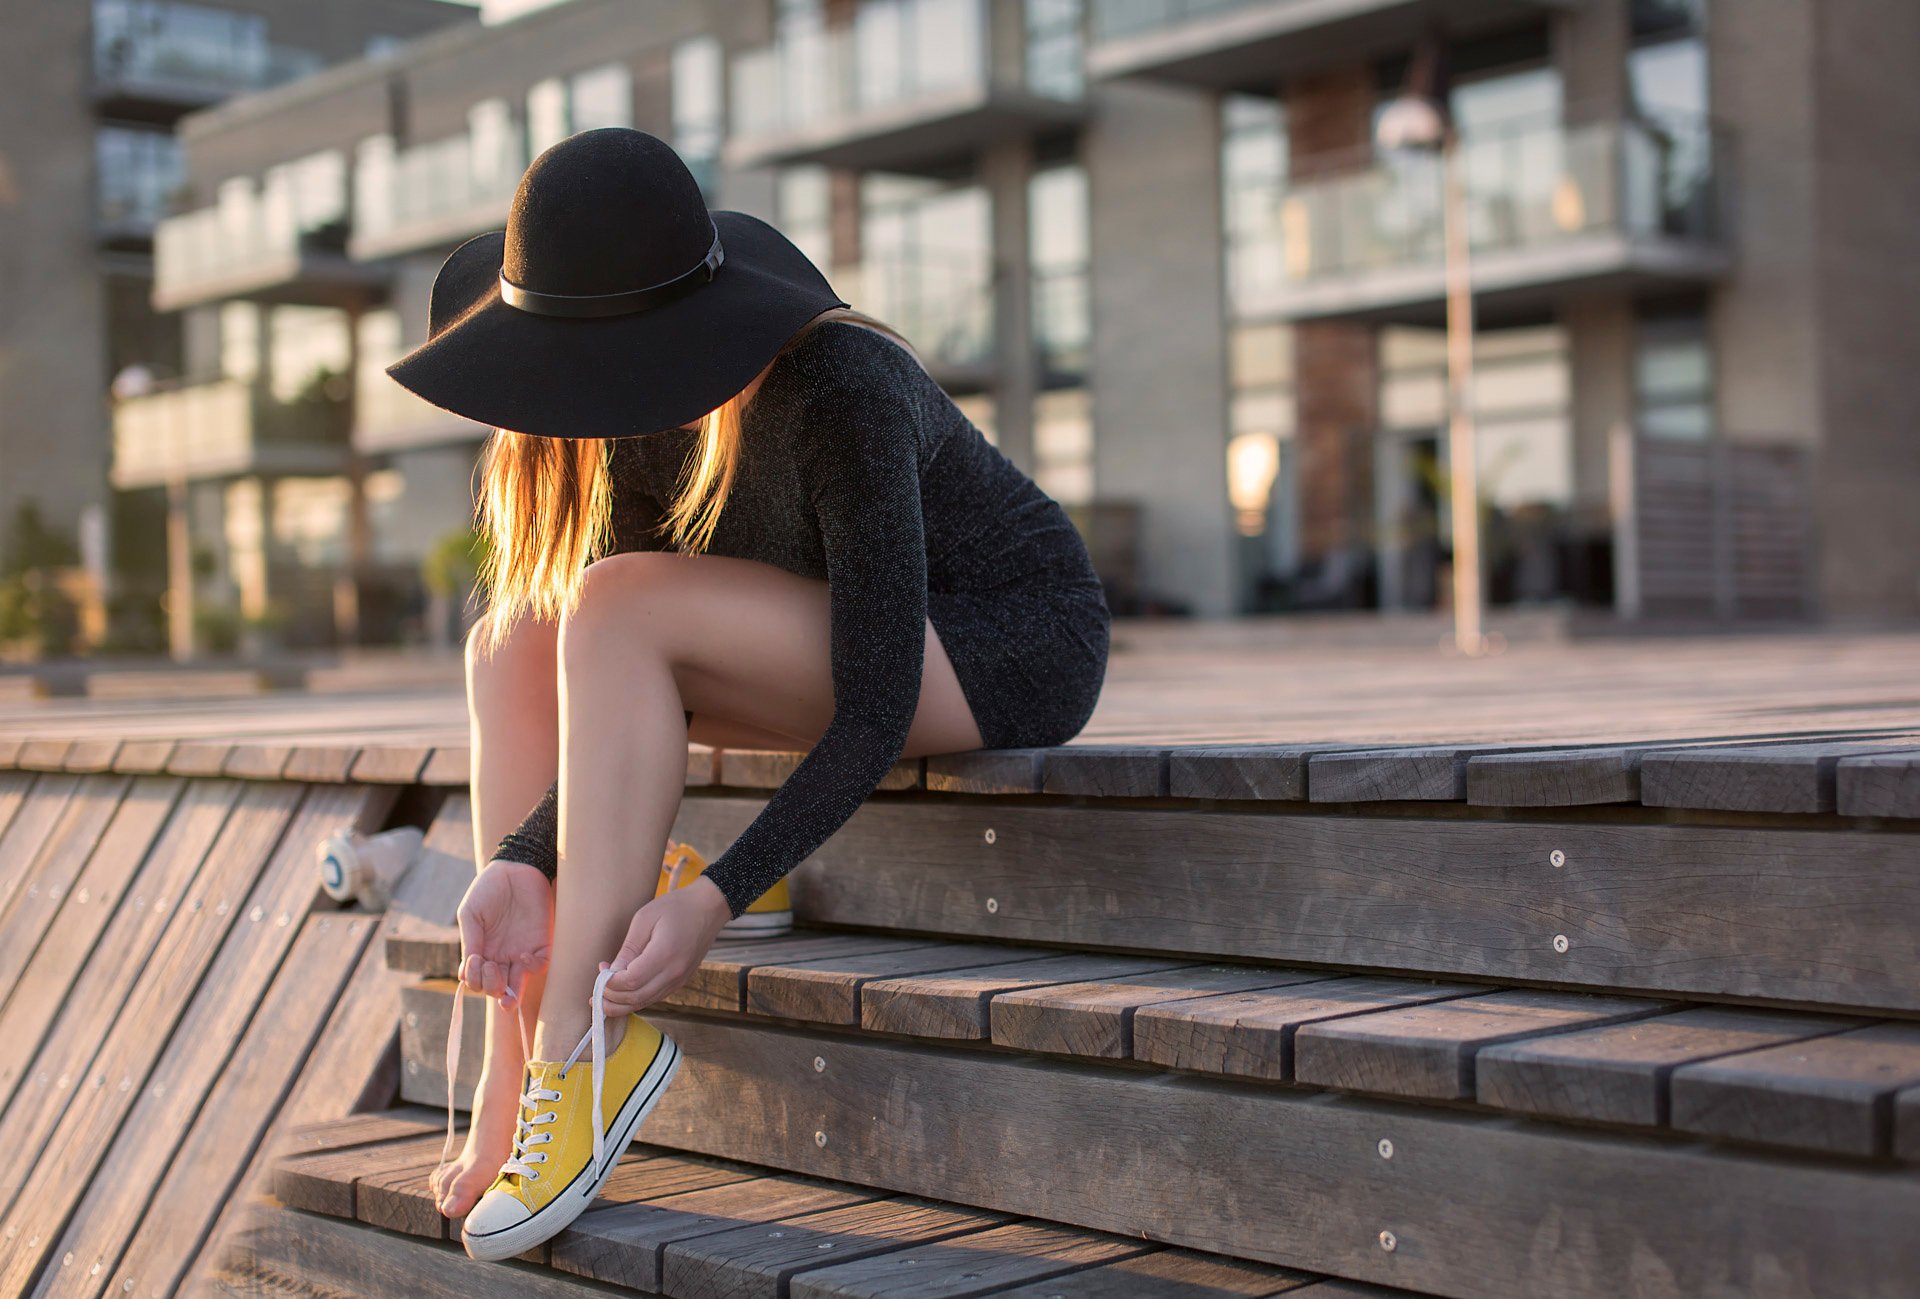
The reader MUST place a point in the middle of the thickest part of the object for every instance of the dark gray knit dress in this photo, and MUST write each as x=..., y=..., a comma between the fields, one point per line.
x=856, y=467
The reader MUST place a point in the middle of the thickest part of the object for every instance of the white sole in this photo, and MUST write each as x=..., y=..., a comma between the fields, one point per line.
x=767, y=924
x=578, y=1195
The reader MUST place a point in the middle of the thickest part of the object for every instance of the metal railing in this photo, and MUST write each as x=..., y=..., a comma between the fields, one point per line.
x=1527, y=186
x=942, y=302
x=892, y=53
x=186, y=49
x=210, y=428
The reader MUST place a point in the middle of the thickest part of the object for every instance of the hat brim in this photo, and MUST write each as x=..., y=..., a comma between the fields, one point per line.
x=611, y=376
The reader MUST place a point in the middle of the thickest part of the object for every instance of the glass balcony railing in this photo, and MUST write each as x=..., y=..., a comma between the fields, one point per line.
x=188, y=52
x=942, y=303
x=220, y=427
x=1113, y=19
x=253, y=236
x=1528, y=187
x=890, y=55
x=387, y=416
x=434, y=193
x=1063, y=319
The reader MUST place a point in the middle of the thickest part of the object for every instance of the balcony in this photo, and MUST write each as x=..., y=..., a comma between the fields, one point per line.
x=433, y=196
x=1630, y=206
x=223, y=428
x=387, y=417
x=907, y=85
x=1234, y=44
x=943, y=303
x=281, y=242
x=154, y=61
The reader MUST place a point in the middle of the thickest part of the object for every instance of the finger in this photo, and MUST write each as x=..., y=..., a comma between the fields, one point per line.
x=493, y=979
x=471, y=937
x=470, y=972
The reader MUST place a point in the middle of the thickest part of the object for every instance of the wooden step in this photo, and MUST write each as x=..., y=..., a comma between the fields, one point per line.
x=689, y=1227
x=1769, y=1078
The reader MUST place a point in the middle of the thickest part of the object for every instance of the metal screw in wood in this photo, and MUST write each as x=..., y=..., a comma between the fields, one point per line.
x=1389, y=1242
x=990, y=834
x=1560, y=943
x=255, y=914
x=1557, y=857
x=819, y=1064
x=1386, y=1148
x=993, y=905
x=820, y=1139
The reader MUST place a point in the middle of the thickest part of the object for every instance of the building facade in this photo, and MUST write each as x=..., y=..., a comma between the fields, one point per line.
x=1155, y=251
x=90, y=94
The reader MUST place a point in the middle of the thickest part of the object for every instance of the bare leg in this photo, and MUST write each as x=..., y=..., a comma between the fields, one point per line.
x=515, y=736
x=657, y=633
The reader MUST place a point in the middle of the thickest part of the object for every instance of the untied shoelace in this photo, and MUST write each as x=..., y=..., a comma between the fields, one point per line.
x=596, y=1035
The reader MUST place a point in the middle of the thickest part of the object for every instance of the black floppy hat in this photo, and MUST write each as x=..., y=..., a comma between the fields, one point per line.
x=614, y=303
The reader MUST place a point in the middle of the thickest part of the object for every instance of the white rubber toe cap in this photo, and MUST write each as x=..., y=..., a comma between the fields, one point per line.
x=496, y=1212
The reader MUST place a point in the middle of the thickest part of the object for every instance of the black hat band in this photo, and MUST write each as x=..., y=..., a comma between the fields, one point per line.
x=615, y=304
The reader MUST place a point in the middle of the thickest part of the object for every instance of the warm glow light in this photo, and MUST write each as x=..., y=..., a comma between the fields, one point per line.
x=1411, y=122
x=1252, y=461
x=1569, y=206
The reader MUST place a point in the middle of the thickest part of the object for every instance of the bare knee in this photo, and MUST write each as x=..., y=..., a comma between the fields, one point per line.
x=523, y=662
x=625, y=607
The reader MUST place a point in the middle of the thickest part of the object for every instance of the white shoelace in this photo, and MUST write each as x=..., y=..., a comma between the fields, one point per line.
x=596, y=1035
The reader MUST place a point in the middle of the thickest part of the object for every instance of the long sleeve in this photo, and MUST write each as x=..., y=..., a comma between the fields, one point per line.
x=636, y=517
x=859, y=463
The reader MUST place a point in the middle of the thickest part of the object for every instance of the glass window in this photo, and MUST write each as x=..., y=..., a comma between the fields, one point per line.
x=307, y=344
x=1673, y=375
x=546, y=114
x=239, y=340
x=1253, y=171
x=1054, y=64
x=804, y=201
x=699, y=113
x=602, y=96
x=1063, y=325
x=1063, y=445
x=927, y=264
x=139, y=172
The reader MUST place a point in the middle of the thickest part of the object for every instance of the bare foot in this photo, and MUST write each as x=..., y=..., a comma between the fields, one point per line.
x=556, y=1040
x=458, y=1186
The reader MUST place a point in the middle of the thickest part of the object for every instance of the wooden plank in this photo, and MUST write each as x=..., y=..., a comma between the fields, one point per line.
x=1267, y=772
x=956, y=1003
x=761, y=1261
x=623, y=1244
x=283, y=1251
x=390, y=763
x=326, y=1181
x=43, y=755
x=1252, y=1033
x=1881, y=784
x=1556, y=777
x=65, y=983
x=92, y=755
x=1422, y=773
x=322, y=763
x=200, y=757
x=981, y=1263
x=1619, y=1073
x=1643, y=907
x=721, y=981
x=144, y=756
x=31, y=988
x=1296, y=1180
x=203, y=1172
x=769, y=769
x=449, y=764
x=258, y=760
x=1106, y=771
x=828, y=991
x=401, y=1199
x=1774, y=778
x=1166, y=1274
x=987, y=771
x=1428, y=1051
x=10, y=747
x=24, y=919
x=84, y=1106
x=1906, y=1125
x=352, y=1130
x=1096, y=1019
x=36, y=820
x=1833, y=1093
x=13, y=792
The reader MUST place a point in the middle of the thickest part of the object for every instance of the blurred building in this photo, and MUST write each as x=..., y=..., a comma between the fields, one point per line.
x=1152, y=250
x=89, y=164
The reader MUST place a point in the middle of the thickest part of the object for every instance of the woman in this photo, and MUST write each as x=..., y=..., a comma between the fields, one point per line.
x=881, y=583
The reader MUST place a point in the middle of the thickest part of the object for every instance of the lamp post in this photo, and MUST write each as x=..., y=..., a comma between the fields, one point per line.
x=1416, y=121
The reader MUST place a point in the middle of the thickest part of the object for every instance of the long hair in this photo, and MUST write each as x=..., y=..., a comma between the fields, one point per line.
x=544, y=504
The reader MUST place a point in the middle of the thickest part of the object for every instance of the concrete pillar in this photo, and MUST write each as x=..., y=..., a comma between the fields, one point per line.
x=1336, y=363
x=1600, y=358
x=1159, y=367
x=1590, y=42
x=1006, y=172
x=180, y=594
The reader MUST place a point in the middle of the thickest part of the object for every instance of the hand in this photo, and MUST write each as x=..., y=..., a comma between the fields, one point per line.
x=506, y=928
x=665, y=944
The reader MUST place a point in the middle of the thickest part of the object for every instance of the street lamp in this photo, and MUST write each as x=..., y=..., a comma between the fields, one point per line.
x=1418, y=122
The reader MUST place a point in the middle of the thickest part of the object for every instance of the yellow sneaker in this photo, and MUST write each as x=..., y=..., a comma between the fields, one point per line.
x=561, y=1155
x=770, y=915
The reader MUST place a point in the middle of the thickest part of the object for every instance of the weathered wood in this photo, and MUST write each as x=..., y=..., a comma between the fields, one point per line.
x=760, y=1261
x=1106, y=771
x=703, y=765
x=1096, y=1019
x=721, y=981
x=1252, y=1033
x=144, y=756
x=48, y=879
x=1881, y=784
x=987, y=771
x=1619, y=1073
x=828, y=991
x=391, y=764
x=37, y=819
x=197, y=1178
x=1427, y=1051
x=1775, y=778
x=92, y=755
x=283, y=1251
x=13, y=792
x=1166, y=1274
x=1906, y=1125
x=1556, y=777
x=352, y=1130
x=200, y=757
x=322, y=763
x=258, y=760
x=43, y=755
x=1435, y=773
x=955, y=1003
x=1661, y=908
x=1832, y=1093
x=325, y=1181
x=1270, y=772
x=449, y=764
x=1299, y=1181
x=976, y=1264
x=401, y=1199
x=623, y=1244
x=769, y=769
